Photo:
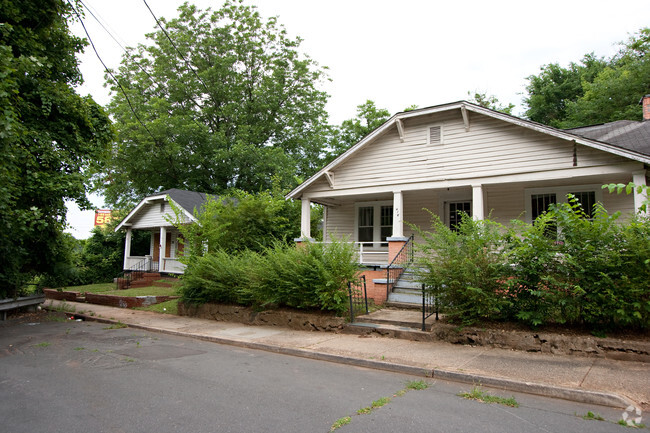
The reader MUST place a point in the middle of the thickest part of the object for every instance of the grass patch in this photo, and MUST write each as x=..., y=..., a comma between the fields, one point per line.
x=381, y=402
x=91, y=288
x=364, y=411
x=118, y=325
x=79, y=348
x=479, y=395
x=417, y=385
x=594, y=416
x=43, y=344
x=167, y=307
x=341, y=422
x=144, y=291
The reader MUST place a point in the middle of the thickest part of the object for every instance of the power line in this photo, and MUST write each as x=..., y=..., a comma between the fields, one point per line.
x=92, y=44
x=177, y=50
x=116, y=41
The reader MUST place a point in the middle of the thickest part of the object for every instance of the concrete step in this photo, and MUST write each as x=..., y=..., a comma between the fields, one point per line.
x=405, y=298
x=406, y=284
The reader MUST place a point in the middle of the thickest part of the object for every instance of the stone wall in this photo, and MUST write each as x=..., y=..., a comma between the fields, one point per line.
x=294, y=319
x=126, y=301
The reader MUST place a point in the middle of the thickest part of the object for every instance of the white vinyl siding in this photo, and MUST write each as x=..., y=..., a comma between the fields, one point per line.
x=490, y=148
x=150, y=215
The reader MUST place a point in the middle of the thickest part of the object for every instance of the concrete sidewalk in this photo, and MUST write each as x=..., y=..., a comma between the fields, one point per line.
x=584, y=379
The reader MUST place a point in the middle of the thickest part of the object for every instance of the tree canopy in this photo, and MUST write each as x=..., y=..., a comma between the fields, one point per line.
x=489, y=101
x=230, y=103
x=51, y=138
x=594, y=90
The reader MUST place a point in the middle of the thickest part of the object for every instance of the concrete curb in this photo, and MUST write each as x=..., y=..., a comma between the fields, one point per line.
x=571, y=394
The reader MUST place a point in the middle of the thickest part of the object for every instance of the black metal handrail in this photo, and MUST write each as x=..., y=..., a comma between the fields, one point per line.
x=358, y=297
x=402, y=259
x=135, y=272
x=429, y=305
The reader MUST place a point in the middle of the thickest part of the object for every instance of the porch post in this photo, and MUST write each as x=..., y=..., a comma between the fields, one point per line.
x=638, y=178
x=127, y=247
x=478, y=205
x=305, y=218
x=163, y=247
x=398, y=215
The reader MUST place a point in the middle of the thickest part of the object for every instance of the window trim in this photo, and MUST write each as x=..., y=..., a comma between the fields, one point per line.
x=376, y=229
x=560, y=195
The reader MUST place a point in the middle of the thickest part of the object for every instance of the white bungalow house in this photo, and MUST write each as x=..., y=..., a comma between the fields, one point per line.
x=152, y=215
x=463, y=157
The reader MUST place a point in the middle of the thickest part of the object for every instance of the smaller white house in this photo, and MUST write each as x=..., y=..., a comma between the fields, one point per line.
x=153, y=214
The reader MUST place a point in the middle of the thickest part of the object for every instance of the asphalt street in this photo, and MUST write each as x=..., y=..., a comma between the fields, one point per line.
x=67, y=376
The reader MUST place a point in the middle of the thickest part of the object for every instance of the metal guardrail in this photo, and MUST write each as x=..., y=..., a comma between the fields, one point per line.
x=25, y=301
x=358, y=298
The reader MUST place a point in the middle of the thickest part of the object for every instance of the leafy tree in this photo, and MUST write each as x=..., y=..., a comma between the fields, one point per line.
x=615, y=92
x=102, y=255
x=231, y=103
x=556, y=86
x=490, y=101
x=50, y=137
x=595, y=90
x=241, y=221
x=351, y=131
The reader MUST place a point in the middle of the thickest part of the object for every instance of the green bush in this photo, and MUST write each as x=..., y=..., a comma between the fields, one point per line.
x=310, y=276
x=565, y=268
x=241, y=221
x=465, y=269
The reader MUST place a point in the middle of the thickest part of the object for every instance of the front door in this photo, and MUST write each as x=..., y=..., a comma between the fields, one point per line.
x=156, y=246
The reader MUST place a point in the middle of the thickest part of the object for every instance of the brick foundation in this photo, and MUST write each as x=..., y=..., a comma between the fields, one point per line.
x=61, y=296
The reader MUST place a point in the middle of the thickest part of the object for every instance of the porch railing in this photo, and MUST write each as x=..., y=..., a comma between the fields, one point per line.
x=358, y=298
x=135, y=272
x=400, y=262
x=370, y=252
x=172, y=265
x=429, y=305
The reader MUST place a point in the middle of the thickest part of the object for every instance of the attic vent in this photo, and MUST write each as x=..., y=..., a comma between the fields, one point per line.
x=435, y=135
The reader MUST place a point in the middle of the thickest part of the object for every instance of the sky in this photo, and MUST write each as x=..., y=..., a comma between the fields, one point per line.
x=398, y=54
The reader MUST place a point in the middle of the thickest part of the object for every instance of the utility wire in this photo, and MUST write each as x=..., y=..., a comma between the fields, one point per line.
x=111, y=73
x=176, y=48
x=116, y=41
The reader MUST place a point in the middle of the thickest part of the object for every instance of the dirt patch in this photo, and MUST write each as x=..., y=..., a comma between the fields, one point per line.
x=305, y=321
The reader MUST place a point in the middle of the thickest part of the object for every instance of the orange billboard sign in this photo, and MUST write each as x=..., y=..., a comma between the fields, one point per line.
x=102, y=217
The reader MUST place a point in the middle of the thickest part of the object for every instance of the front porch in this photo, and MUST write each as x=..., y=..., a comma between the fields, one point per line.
x=164, y=239
x=379, y=223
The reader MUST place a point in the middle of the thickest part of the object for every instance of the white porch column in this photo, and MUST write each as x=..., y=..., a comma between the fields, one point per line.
x=161, y=251
x=638, y=178
x=398, y=214
x=478, y=204
x=127, y=247
x=305, y=218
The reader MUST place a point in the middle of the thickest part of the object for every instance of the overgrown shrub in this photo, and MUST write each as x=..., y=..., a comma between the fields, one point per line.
x=465, y=269
x=241, y=221
x=310, y=276
x=567, y=267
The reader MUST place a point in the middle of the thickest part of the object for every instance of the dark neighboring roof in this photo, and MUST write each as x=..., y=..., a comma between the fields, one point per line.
x=627, y=134
x=188, y=200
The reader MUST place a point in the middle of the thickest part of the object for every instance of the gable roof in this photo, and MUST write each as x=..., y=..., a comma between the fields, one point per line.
x=187, y=200
x=464, y=107
x=628, y=134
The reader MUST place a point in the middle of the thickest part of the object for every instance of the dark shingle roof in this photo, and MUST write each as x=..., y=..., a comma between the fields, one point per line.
x=627, y=134
x=188, y=200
